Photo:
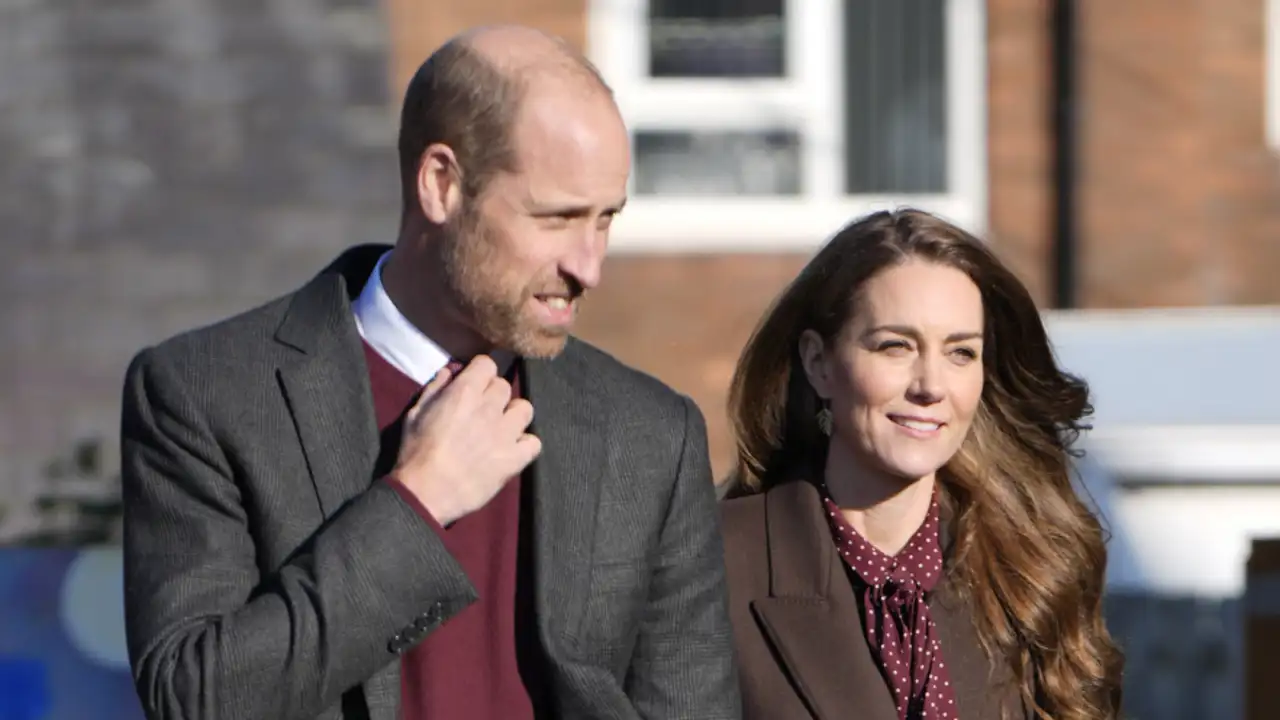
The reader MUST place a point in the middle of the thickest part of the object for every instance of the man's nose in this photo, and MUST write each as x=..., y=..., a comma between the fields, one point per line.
x=585, y=259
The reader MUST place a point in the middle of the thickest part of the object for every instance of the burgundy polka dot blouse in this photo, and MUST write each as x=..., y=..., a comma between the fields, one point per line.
x=899, y=627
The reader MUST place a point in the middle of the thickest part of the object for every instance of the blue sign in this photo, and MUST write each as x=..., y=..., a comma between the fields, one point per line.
x=62, y=643
x=24, y=689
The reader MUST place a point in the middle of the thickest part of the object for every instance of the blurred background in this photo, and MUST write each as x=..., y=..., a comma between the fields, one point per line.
x=164, y=163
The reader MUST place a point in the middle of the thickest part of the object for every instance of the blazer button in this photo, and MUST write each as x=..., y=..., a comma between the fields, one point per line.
x=429, y=618
x=397, y=644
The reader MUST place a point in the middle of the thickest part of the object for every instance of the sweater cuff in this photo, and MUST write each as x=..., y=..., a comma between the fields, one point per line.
x=412, y=501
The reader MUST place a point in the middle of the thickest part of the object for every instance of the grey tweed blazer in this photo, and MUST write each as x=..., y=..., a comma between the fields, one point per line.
x=268, y=578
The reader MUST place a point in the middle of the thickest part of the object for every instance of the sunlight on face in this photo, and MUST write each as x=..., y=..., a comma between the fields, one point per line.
x=904, y=377
x=534, y=244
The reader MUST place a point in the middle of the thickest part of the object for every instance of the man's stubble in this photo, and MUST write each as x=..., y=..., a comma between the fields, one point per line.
x=494, y=302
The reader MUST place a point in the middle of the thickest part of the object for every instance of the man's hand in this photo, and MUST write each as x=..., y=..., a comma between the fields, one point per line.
x=464, y=439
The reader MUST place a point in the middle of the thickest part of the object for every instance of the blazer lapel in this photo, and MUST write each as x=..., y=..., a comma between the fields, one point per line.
x=811, y=615
x=327, y=389
x=981, y=690
x=566, y=480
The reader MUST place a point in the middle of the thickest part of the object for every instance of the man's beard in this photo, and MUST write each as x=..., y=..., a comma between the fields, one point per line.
x=495, y=305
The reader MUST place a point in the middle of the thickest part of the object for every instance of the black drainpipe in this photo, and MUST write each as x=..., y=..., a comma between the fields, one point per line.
x=1063, y=39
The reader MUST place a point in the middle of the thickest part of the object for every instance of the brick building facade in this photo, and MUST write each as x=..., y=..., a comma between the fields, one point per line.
x=1178, y=191
x=167, y=164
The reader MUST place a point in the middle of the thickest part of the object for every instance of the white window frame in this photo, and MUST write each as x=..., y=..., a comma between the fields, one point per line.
x=809, y=101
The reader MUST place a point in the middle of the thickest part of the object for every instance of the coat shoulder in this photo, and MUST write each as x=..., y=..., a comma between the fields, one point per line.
x=643, y=393
x=248, y=331
x=235, y=353
x=314, y=312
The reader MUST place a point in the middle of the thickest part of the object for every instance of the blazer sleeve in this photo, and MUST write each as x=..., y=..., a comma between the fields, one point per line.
x=683, y=664
x=209, y=636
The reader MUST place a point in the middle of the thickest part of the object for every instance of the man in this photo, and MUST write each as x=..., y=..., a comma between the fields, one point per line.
x=304, y=538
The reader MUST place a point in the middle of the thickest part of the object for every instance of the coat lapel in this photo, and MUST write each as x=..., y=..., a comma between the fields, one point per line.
x=327, y=389
x=981, y=690
x=333, y=414
x=811, y=617
x=566, y=481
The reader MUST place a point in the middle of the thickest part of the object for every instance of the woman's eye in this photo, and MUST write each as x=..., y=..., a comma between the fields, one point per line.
x=894, y=347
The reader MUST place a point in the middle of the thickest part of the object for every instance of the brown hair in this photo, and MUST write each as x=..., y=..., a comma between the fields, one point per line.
x=463, y=99
x=460, y=99
x=1027, y=552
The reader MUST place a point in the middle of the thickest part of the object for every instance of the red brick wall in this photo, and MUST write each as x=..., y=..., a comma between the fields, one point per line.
x=418, y=27
x=1179, y=197
x=1020, y=161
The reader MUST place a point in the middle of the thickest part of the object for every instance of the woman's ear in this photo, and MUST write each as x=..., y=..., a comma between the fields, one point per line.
x=813, y=357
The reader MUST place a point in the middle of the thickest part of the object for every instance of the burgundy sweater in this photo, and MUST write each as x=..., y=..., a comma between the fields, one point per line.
x=480, y=664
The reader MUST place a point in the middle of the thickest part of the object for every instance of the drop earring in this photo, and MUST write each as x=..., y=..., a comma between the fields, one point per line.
x=824, y=419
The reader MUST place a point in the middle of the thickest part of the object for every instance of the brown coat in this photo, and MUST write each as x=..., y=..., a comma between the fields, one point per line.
x=800, y=645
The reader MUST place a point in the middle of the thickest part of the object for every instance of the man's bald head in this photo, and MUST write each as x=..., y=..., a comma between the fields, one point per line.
x=468, y=94
x=522, y=51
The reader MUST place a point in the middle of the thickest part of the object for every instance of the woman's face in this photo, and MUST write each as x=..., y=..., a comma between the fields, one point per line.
x=904, y=377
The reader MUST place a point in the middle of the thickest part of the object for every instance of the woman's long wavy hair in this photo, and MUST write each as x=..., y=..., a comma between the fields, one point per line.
x=1027, y=553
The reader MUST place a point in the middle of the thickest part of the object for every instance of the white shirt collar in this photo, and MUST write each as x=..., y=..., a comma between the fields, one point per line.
x=397, y=340
x=388, y=331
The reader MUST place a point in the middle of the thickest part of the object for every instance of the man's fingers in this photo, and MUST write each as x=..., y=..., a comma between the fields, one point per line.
x=518, y=415
x=528, y=448
x=497, y=394
x=481, y=369
x=432, y=389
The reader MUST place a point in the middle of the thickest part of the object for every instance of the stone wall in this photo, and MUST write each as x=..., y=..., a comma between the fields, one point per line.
x=167, y=162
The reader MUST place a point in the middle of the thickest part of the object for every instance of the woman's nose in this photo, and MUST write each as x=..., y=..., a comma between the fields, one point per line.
x=926, y=386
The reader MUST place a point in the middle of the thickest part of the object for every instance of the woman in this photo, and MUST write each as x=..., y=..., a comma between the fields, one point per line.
x=902, y=535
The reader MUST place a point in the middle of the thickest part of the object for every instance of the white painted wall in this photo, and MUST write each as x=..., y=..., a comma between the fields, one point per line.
x=1193, y=540
x=1184, y=460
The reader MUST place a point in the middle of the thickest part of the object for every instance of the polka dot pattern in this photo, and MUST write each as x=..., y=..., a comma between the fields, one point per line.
x=899, y=628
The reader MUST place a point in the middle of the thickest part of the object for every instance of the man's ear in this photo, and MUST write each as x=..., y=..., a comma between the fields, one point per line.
x=439, y=183
x=813, y=356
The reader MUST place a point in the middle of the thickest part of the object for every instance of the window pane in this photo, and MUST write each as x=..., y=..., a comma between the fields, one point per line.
x=895, y=96
x=717, y=163
x=716, y=38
